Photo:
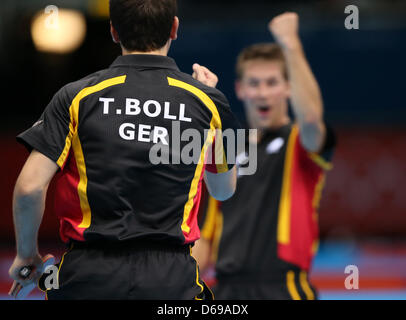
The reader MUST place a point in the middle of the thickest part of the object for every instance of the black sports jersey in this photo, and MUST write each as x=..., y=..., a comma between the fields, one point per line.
x=269, y=227
x=101, y=131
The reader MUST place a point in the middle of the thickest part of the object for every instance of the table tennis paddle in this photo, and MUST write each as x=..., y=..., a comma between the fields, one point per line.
x=17, y=290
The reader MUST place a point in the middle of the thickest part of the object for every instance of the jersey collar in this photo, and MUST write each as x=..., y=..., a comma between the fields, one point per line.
x=145, y=60
x=270, y=134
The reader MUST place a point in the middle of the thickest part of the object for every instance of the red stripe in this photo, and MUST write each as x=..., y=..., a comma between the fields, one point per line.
x=67, y=202
x=303, y=228
x=192, y=221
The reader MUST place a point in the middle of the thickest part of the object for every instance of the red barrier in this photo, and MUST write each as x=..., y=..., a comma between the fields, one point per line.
x=365, y=193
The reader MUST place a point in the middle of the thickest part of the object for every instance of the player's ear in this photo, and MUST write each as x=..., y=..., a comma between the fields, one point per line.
x=114, y=34
x=174, y=30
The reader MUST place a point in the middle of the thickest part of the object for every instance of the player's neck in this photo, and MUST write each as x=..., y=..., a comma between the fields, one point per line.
x=273, y=127
x=155, y=52
x=159, y=52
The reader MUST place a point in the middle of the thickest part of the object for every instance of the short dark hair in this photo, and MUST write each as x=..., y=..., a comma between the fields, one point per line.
x=261, y=51
x=143, y=25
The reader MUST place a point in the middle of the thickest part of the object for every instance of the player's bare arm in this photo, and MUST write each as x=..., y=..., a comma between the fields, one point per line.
x=28, y=208
x=201, y=252
x=221, y=186
x=305, y=93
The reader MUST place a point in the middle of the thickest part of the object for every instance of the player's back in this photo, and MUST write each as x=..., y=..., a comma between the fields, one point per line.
x=124, y=175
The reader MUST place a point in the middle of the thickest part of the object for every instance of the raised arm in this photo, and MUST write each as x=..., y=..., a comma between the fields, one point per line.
x=305, y=93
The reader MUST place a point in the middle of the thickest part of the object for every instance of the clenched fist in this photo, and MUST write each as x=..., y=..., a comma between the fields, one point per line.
x=285, y=29
x=204, y=75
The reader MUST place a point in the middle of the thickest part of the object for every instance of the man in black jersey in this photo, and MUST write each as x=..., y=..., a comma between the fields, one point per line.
x=130, y=222
x=263, y=239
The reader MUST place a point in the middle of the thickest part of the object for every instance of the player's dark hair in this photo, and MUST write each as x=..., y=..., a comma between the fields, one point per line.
x=143, y=25
x=261, y=51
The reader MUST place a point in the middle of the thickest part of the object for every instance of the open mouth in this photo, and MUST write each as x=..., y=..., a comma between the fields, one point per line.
x=263, y=110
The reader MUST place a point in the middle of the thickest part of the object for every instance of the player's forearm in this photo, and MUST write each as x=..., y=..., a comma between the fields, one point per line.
x=28, y=208
x=221, y=186
x=305, y=97
x=305, y=92
x=201, y=252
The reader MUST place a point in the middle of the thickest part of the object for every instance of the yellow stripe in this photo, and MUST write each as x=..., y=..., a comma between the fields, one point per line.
x=219, y=151
x=210, y=221
x=68, y=141
x=320, y=161
x=195, y=184
x=215, y=123
x=318, y=190
x=74, y=111
x=283, y=232
x=63, y=257
x=305, y=285
x=197, y=274
x=60, y=265
x=290, y=283
x=59, y=269
x=82, y=185
x=197, y=281
x=73, y=139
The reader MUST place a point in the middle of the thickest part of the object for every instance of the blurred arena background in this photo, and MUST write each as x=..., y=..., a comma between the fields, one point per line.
x=361, y=74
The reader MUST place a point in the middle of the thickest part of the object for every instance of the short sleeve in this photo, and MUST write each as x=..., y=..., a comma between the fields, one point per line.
x=324, y=157
x=222, y=154
x=49, y=135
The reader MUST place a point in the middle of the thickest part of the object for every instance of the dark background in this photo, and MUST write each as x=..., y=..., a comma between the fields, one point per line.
x=360, y=72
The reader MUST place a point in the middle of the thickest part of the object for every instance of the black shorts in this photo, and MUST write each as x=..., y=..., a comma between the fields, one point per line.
x=130, y=270
x=287, y=285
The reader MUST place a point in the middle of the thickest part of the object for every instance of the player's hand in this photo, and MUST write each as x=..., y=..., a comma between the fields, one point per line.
x=204, y=75
x=34, y=263
x=285, y=29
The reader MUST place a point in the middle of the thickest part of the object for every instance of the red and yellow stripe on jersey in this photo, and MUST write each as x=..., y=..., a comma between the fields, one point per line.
x=72, y=205
x=303, y=181
x=190, y=226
